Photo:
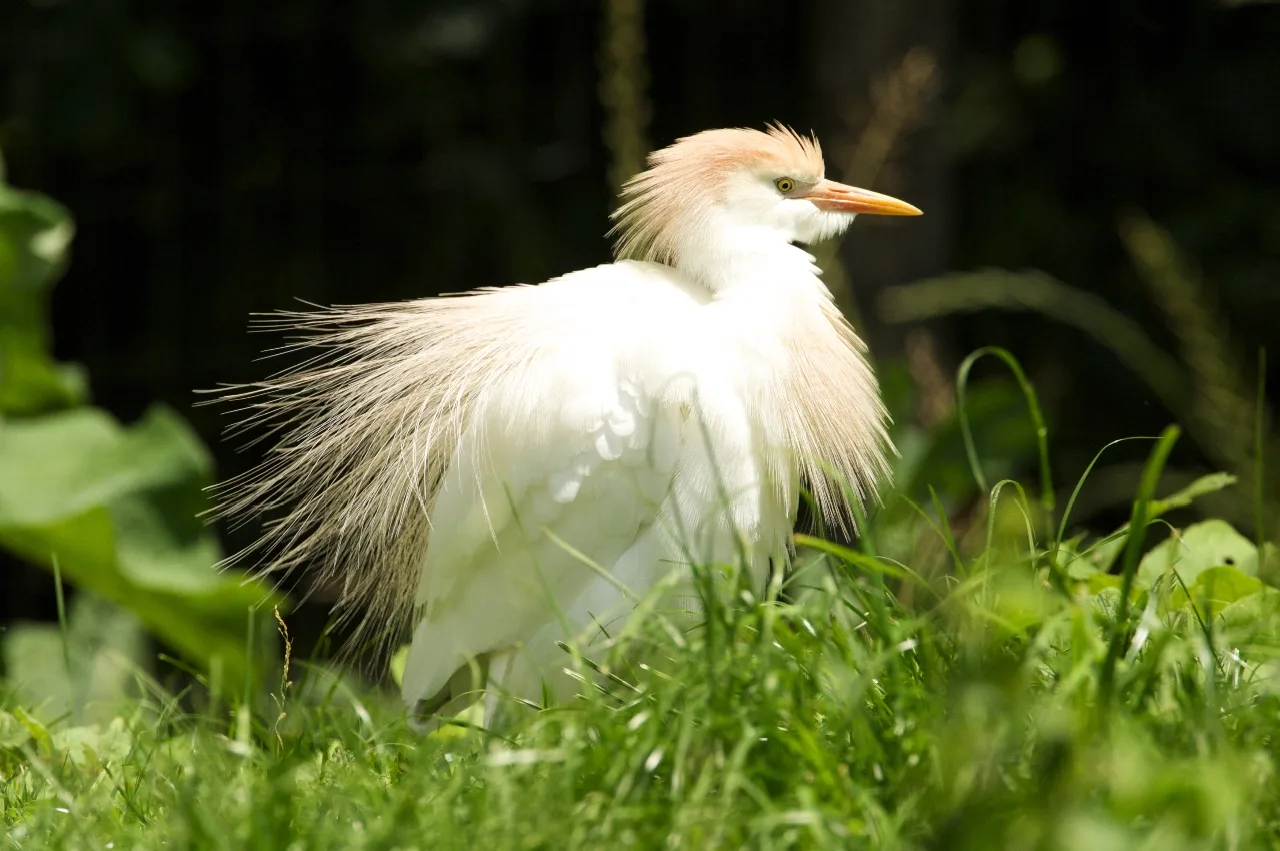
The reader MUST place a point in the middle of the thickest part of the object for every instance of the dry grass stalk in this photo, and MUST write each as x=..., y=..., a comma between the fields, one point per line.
x=1223, y=399
x=897, y=108
x=937, y=390
x=624, y=84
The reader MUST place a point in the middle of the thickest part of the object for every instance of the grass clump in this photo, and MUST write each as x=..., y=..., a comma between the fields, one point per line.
x=1056, y=694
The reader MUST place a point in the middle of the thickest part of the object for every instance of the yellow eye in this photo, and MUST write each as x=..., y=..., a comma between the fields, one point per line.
x=785, y=185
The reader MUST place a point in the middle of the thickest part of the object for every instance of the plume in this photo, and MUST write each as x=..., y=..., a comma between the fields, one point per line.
x=366, y=427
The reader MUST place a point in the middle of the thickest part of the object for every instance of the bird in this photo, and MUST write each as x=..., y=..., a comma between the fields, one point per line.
x=487, y=474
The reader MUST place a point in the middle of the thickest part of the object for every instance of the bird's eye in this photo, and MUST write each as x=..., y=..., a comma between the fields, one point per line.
x=785, y=185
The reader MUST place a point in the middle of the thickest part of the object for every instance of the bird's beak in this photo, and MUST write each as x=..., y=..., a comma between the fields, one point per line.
x=839, y=198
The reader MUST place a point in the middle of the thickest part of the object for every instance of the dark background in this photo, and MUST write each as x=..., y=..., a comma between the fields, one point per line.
x=227, y=157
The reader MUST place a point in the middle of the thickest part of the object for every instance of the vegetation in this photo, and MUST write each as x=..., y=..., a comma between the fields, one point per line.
x=112, y=509
x=1029, y=699
x=990, y=665
x=968, y=677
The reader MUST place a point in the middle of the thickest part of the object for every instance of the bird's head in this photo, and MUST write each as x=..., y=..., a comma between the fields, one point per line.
x=723, y=192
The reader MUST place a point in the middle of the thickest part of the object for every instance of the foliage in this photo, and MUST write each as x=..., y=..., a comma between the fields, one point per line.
x=113, y=509
x=967, y=677
x=34, y=234
x=1229, y=423
x=863, y=706
x=964, y=678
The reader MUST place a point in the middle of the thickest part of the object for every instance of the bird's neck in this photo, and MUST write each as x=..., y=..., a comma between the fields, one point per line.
x=747, y=261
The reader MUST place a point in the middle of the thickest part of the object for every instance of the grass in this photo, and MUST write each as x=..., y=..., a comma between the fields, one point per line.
x=1016, y=700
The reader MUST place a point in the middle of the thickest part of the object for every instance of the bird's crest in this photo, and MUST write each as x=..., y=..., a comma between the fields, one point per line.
x=686, y=178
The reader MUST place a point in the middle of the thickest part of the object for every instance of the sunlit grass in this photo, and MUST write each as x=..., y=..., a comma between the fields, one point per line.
x=1019, y=701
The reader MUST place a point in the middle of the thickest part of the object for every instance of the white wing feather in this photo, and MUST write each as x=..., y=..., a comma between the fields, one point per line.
x=591, y=471
x=593, y=474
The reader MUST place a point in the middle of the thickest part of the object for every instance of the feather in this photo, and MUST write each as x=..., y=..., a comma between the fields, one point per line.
x=433, y=458
x=661, y=204
x=368, y=423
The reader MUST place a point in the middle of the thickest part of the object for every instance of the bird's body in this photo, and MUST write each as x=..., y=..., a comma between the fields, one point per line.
x=513, y=467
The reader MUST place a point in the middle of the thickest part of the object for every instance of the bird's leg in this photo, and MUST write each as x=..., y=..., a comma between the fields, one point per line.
x=462, y=690
x=778, y=570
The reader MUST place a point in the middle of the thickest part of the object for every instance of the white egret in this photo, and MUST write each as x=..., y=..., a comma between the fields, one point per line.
x=453, y=463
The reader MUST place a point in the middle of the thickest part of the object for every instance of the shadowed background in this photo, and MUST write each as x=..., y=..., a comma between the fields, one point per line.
x=227, y=158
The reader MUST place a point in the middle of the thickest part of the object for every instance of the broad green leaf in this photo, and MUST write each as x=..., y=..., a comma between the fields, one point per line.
x=33, y=663
x=1099, y=582
x=1104, y=553
x=35, y=727
x=13, y=733
x=1018, y=600
x=104, y=646
x=1215, y=589
x=67, y=463
x=34, y=235
x=116, y=508
x=1254, y=616
x=94, y=745
x=1260, y=607
x=1212, y=543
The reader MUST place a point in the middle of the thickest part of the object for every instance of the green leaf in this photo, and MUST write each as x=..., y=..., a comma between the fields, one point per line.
x=13, y=733
x=33, y=663
x=1099, y=582
x=1104, y=554
x=1215, y=589
x=35, y=728
x=117, y=509
x=396, y=664
x=104, y=647
x=34, y=235
x=1212, y=543
x=1203, y=486
x=92, y=746
x=1254, y=616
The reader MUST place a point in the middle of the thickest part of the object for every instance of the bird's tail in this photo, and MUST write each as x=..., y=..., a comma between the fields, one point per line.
x=363, y=429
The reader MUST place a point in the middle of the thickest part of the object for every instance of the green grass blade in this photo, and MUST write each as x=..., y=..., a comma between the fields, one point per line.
x=1033, y=408
x=1133, y=554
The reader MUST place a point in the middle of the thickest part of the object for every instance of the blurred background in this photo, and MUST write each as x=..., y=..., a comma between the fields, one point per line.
x=1100, y=181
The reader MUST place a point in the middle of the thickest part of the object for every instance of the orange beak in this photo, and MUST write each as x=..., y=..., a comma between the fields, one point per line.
x=838, y=198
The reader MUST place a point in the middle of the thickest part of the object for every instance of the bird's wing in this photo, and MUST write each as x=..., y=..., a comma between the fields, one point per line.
x=571, y=450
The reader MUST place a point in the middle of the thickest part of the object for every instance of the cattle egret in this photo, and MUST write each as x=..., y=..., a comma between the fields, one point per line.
x=504, y=469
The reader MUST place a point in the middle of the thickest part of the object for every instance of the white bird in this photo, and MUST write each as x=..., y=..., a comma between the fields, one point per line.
x=454, y=463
